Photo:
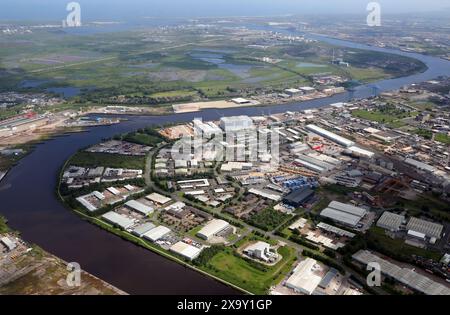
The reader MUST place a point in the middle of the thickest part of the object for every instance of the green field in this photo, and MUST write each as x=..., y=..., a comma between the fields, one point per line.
x=141, y=72
x=385, y=115
x=3, y=227
x=240, y=272
x=428, y=205
x=87, y=159
x=366, y=75
x=443, y=138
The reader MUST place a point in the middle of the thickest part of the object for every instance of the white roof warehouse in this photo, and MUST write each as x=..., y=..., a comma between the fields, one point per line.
x=330, y=136
x=187, y=251
x=212, y=228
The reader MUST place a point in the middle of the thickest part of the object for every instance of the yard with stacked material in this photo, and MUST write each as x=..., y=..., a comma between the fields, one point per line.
x=39, y=273
x=36, y=272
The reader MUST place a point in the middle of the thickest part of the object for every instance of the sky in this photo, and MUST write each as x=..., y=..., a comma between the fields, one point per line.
x=127, y=9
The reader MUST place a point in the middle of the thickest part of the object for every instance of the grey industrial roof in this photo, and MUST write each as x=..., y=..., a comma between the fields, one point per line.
x=335, y=230
x=405, y=276
x=430, y=229
x=299, y=195
x=347, y=208
x=344, y=213
x=420, y=165
x=118, y=219
x=328, y=277
x=340, y=216
x=144, y=228
x=139, y=207
x=390, y=221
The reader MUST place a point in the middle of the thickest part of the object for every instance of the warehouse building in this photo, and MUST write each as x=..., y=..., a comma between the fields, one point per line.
x=265, y=194
x=390, y=221
x=10, y=244
x=142, y=229
x=139, y=207
x=335, y=230
x=187, y=251
x=299, y=197
x=343, y=213
x=319, y=165
x=429, y=229
x=158, y=199
x=405, y=276
x=118, y=220
x=305, y=278
x=212, y=228
x=293, y=92
x=420, y=165
x=156, y=233
x=359, y=152
x=87, y=203
x=330, y=136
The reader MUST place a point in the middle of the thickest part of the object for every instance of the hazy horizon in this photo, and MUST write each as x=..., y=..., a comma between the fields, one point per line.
x=128, y=9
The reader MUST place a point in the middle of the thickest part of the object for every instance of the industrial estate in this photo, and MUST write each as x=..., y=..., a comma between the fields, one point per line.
x=291, y=203
x=291, y=164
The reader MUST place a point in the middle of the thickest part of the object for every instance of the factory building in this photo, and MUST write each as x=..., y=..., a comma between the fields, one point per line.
x=10, y=244
x=212, y=228
x=304, y=278
x=307, y=89
x=420, y=165
x=405, y=276
x=139, y=207
x=330, y=136
x=429, y=229
x=343, y=213
x=156, y=233
x=391, y=221
x=313, y=163
x=118, y=220
x=265, y=194
x=359, y=152
x=185, y=250
x=299, y=197
x=158, y=199
x=293, y=92
x=140, y=230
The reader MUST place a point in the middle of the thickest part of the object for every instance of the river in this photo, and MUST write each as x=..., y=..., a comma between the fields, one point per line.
x=28, y=200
